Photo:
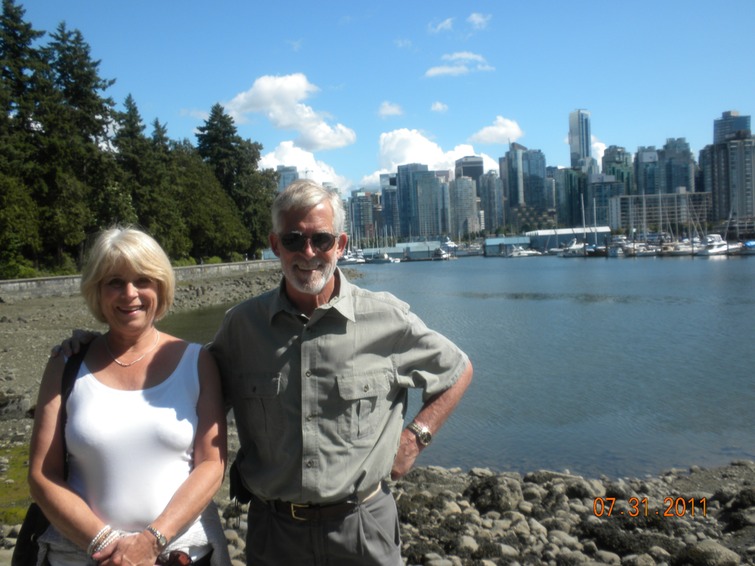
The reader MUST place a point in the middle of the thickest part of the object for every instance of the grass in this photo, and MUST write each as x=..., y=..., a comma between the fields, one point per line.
x=14, y=495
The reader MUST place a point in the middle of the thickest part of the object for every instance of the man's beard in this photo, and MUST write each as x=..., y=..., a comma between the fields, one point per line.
x=306, y=281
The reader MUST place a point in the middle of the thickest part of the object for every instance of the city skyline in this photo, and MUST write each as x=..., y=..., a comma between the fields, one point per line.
x=348, y=92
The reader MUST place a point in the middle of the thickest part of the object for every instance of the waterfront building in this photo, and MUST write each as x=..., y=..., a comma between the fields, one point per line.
x=429, y=204
x=464, y=213
x=389, y=224
x=677, y=214
x=646, y=170
x=579, y=138
x=729, y=176
x=618, y=162
x=728, y=125
x=406, y=191
x=492, y=200
x=362, y=220
x=600, y=190
x=676, y=167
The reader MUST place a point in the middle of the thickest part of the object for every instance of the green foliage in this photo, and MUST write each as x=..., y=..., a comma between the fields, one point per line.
x=214, y=260
x=185, y=262
x=71, y=164
x=14, y=497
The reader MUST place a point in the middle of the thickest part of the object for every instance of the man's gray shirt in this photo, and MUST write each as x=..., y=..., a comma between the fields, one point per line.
x=319, y=402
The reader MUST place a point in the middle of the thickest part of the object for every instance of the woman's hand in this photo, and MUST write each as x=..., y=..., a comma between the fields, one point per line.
x=133, y=549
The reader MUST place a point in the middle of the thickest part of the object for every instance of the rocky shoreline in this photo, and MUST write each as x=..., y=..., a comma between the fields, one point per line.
x=450, y=517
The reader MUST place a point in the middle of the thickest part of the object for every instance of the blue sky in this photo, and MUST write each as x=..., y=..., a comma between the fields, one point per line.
x=346, y=90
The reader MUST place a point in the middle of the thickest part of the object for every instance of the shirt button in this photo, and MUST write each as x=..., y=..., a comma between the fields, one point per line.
x=308, y=373
x=366, y=388
x=310, y=463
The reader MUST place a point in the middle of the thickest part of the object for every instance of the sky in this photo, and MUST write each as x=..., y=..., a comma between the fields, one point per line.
x=347, y=90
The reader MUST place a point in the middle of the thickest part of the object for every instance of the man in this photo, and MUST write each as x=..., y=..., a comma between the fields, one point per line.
x=317, y=372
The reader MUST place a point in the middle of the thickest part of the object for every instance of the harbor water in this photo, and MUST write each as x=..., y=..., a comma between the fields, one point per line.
x=616, y=367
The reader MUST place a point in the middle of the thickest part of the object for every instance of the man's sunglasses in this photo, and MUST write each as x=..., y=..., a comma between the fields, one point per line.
x=295, y=241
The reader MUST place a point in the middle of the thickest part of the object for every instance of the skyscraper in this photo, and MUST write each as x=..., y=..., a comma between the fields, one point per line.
x=579, y=137
x=406, y=191
x=471, y=167
x=728, y=125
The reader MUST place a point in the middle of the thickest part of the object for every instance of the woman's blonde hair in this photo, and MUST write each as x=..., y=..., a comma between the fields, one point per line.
x=135, y=249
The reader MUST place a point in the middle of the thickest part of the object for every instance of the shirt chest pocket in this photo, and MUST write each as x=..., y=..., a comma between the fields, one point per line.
x=364, y=401
x=261, y=396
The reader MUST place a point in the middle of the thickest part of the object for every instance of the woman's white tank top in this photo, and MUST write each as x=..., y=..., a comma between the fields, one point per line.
x=129, y=451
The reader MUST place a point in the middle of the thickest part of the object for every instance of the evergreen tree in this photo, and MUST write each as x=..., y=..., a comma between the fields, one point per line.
x=71, y=141
x=235, y=163
x=214, y=224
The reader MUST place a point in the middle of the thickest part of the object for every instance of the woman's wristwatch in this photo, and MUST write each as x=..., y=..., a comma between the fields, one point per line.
x=162, y=542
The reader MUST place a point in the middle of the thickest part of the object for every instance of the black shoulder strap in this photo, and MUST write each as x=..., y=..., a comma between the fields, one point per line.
x=69, y=377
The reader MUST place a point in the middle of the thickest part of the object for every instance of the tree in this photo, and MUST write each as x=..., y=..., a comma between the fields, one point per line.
x=72, y=133
x=235, y=162
x=19, y=229
x=214, y=224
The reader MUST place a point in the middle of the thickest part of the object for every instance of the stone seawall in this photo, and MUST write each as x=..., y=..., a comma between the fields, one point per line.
x=18, y=289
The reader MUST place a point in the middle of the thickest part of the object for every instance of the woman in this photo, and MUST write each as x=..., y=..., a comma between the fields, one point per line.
x=145, y=432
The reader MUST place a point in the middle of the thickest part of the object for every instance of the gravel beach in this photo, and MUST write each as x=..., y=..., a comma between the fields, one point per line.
x=449, y=517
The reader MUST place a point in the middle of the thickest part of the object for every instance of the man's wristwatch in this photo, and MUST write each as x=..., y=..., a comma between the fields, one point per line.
x=422, y=432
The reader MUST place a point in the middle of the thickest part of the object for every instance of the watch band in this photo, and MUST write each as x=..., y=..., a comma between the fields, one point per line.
x=162, y=542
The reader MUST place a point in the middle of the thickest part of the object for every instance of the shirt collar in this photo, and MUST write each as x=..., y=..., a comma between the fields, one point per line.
x=342, y=303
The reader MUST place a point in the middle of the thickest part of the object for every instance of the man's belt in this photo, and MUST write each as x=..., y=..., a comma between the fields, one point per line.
x=306, y=512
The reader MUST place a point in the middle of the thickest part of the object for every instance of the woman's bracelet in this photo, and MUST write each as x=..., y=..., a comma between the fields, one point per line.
x=98, y=538
x=111, y=537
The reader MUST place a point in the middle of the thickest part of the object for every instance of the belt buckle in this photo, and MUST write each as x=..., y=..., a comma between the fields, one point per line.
x=294, y=507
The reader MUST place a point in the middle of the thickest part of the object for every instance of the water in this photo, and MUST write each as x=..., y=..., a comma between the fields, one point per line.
x=620, y=367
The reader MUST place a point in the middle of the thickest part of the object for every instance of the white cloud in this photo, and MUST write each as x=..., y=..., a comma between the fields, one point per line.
x=290, y=155
x=479, y=21
x=445, y=25
x=439, y=107
x=403, y=43
x=389, y=109
x=279, y=98
x=460, y=63
x=502, y=131
x=598, y=149
x=403, y=146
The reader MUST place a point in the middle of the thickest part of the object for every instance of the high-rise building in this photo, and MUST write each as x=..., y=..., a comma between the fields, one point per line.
x=676, y=166
x=464, y=214
x=579, y=138
x=472, y=167
x=406, y=191
x=728, y=125
x=617, y=162
x=646, y=170
x=429, y=204
x=729, y=175
x=523, y=173
x=491, y=200
x=361, y=218
x=286, y=175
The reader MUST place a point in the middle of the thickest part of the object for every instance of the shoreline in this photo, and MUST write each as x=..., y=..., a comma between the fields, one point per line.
x=448, y=516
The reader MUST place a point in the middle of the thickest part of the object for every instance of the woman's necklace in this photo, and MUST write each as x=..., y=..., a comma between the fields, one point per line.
x=140, y=358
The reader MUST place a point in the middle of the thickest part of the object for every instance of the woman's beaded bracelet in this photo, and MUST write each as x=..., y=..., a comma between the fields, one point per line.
x=111, y=537
x=98, y=538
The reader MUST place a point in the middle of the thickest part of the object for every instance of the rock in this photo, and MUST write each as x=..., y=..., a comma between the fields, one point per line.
x=707, y=553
